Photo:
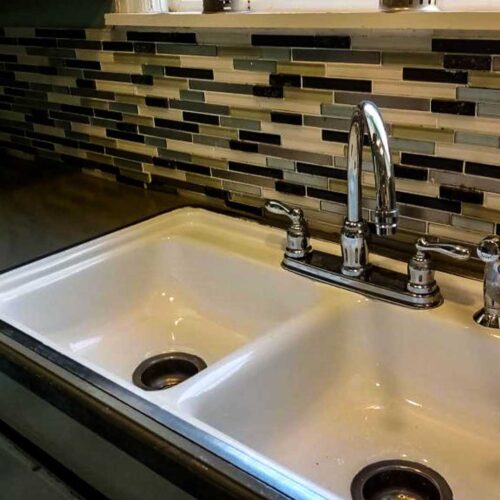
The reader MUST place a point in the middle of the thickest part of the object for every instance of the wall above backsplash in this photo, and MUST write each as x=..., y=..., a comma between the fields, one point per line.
x=248, y=116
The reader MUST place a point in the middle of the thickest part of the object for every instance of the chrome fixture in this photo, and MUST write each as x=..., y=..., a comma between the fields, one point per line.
x=489, y=252
x=420, y=273
x=395, y=5
x=366, y=117
x=297, y=235
x=417, y=288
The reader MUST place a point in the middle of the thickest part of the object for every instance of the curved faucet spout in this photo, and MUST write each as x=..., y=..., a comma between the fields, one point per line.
x=367, y=118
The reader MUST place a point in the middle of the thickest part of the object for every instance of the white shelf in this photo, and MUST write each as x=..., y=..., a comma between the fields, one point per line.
x=478, y=21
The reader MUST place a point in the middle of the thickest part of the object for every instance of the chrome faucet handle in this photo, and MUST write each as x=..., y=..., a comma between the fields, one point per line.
x=297, y=235
x=420, y=272
x=488, y=251
x=449, y=249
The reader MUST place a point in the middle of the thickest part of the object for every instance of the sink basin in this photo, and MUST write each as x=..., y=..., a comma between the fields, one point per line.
x=180, y=282
x=303, y=378
x=364, y=381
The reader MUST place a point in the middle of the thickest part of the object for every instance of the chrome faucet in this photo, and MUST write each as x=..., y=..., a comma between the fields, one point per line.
x=489, y=252
x=366, y=117
x=417, y=288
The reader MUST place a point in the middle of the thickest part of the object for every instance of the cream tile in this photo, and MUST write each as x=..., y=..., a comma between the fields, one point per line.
x=113, y=67
x=414, y=89
x=91, y=130
x=206, y=62
x=234, y=76
x=404, y=117
x=94, y=55
x=215, y=152
x=118, y=87
x=464, y=152
x=492, y=201
x=453, y=233
x=302, y=68
x=364, y=71
x=468, y=123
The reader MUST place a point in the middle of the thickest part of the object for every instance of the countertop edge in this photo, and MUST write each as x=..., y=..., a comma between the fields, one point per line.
x=378, y=20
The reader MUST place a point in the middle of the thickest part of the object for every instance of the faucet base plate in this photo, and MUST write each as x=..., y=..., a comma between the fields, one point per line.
x=377, y=282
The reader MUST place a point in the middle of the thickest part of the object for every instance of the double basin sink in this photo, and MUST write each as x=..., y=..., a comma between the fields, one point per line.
x=307, y=379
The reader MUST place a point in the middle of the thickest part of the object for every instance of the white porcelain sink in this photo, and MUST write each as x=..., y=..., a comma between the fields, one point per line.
x=304, y=378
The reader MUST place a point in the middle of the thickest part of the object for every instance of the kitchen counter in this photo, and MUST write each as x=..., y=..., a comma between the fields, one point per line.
x=45, y=208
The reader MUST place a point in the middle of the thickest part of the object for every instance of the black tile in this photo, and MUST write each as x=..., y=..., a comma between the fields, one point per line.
x=482, y=170
x=58, y=115
x=85, y=84
x=163, y=162
x=333, y=173
x=461, y=46
x=432, y=162
x=126, y=136
x=8, y=58
x=8, y=41
x=428, y=202
x=81, y=110
x=332, y=42
x=81, y=64
x=248, y=147
x=416, y=174
x=175, y=125
x=29, y=68
x=243, y=208
x=169, y=185
x=191, y=167
x=289, y=118
x=144, y=47
x=126, y=127
x=142, y=79
x=335, y=136
x=43, y=145
x=434, y=75
x=157, y=102
x=107, y=75
x=80, y=44
x=284, y=80
x=152, y=36
x=452, y=61
x=37, y=42
x=118, y=46
x=465, y=195
x=323, y=194
x=201, y=74
x=247, y=135
x=265, y=91
x=246, y=168
x=7, y=75
x=287, y=187
x=128, y=155
x=97, y=94
x=317, y=82
x=453, y=107
x=216, y=193
x=60, y=33
x=88, y=146
x=200, y=118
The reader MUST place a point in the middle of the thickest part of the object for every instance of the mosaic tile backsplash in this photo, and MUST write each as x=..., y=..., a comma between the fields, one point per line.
x=244, y=117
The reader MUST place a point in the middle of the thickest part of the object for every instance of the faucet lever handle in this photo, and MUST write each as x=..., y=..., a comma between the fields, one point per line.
x=297, y=245
x=449, y=249
x=296, y=215
x=420, y=272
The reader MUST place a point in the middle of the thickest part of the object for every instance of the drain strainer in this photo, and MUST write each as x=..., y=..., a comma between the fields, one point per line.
x=166, y=370
x=399, y=480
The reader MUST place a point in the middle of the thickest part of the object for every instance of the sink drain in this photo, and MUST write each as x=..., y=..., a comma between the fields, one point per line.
x=399, y=480
x=166, y=370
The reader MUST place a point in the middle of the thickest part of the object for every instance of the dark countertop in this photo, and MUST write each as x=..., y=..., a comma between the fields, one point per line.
x=45, y=208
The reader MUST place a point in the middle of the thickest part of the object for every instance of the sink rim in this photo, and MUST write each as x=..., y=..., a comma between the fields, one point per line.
x=279, y=478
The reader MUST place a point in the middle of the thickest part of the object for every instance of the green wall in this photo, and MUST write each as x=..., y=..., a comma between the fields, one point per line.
x=54, y=13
